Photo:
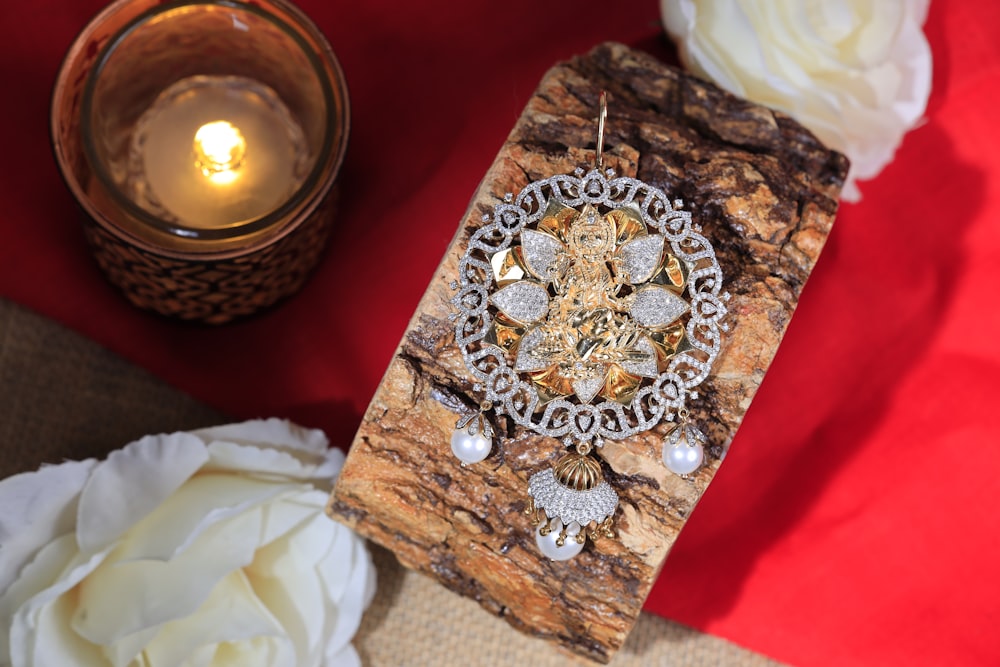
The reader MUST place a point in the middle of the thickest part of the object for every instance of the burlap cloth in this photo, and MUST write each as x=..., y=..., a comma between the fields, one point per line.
x=64, y=397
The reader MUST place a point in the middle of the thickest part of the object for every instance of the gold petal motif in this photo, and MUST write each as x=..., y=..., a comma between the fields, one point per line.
x=557, y=220
x=505, y=333
x=551, y=385
x=628, y=224
x=668, y=342
x=508, y=266
x=674, y=274
x=621, y=386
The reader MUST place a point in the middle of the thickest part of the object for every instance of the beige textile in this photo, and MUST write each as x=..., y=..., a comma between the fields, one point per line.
x=64, y=397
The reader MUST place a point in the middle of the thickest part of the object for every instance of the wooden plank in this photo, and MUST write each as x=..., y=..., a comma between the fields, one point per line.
x=764, y=190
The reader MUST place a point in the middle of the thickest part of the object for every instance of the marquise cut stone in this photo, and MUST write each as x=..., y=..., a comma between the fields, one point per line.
x=526, y=360
x=540, y=251
x=641, y=257
x=523, y=301
x=656, y=306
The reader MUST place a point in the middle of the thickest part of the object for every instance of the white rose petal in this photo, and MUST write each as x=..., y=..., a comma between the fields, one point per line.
x=232, y=612
x=208, y=548
x=351, y=605
x=56, y=643
x=199, y=505
x=275, y=433
x=132, y=482
x=856, y=73
x=319, y=466
x=48, y=565
x=120, y=598
x=301, y=603
x=38, y=507
x=332, y=571
x=26, y=625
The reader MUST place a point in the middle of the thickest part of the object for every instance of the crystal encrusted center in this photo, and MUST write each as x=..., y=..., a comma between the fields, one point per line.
x=587, y=304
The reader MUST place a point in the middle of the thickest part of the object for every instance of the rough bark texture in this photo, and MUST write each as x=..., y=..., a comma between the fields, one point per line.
x=765, y=191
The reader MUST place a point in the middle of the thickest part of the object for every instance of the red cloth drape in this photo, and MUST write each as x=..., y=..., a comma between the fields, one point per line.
x=855, y=520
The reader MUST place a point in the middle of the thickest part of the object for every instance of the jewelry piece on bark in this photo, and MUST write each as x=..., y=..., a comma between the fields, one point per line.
x=588, y=308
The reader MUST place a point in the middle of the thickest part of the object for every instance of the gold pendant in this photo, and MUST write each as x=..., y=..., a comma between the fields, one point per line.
x=588, y=307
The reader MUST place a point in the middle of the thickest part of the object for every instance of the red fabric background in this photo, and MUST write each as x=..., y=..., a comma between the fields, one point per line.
x=855, y=521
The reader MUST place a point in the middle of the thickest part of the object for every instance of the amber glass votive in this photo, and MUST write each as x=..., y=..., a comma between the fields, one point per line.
x=203, y=141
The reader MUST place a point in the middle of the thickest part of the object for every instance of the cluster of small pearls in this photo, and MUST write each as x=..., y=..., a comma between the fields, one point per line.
x=559, y=542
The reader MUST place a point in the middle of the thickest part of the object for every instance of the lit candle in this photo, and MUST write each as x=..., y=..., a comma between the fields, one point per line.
x=219, y=151
x=202, y=138
x=214, y=151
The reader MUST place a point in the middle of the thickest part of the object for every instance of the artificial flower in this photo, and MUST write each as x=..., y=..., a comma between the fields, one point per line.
x=202, y=549
x=857, y=73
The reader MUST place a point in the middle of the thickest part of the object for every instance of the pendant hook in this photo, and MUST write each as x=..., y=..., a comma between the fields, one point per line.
x=602, y=116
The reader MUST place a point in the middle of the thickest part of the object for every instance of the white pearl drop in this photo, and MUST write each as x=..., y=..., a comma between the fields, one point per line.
x=547, y=543
x=683, y=458
x=470, y=448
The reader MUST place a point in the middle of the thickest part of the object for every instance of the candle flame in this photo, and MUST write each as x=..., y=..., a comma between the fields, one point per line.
x=219, y=149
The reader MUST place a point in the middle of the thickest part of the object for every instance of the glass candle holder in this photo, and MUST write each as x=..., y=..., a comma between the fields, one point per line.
x=203, y=141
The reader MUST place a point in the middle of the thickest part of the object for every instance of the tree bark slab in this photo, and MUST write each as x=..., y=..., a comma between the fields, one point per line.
x=764, y=190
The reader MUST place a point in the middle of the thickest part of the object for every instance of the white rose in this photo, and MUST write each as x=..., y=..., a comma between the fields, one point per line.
x=197, y=549
x=855, y=72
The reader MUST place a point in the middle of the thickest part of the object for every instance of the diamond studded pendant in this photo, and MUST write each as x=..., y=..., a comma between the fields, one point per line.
x=587, y=308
